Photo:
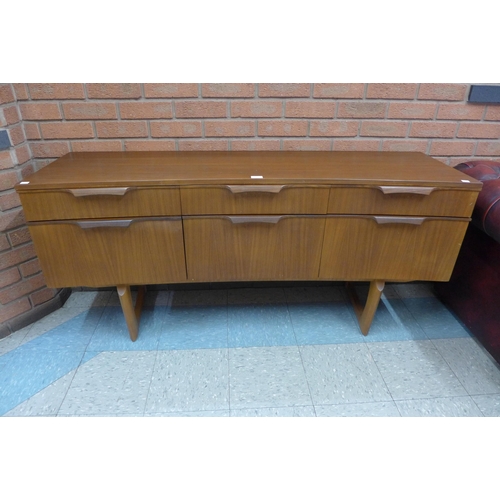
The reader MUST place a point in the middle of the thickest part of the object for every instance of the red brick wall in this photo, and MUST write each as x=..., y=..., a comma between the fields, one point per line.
x=46, y=121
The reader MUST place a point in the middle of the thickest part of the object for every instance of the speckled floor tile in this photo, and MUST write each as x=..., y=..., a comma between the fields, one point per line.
x=288, y=411
x=205, y=298
x=110, y=383
x=314, y=294
x=88, y=299
x=194, y=327
x=192, y=380
x=324, y=323
x=488, y=404
x=259, y=325
x=415, y=369
x=196, y=414
x=111, y=334
x=434, y=318
x=46, y=402
x=382, y=409
x=267, y=377
x=342, y=374
x=245, y=296
x=157, y=298
x=411, y=290
x=478, y=373
x=462, y=406
x=14, y=340
x=103, y=415
x=28, y=371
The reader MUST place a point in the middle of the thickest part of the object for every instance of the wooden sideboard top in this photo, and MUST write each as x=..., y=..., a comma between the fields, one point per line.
x=238, y=167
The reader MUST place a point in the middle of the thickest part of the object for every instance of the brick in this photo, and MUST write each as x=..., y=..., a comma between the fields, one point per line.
x=307, y=145
x=302, y=109
x=11, y=115
x=355, y=145
x=6, y=160
x=414, y=145
x=7, y=180
x=114, y=90
x=256, y=109
x=11, y=220
x=203, y=145
x=4, y=242
x=445, y=160
x=121, y=129
x=230, y=128
x=17, y=135
x=27, y=170
x=384, y=129
x=479, y=130
x=49, y=149
x=339, y=90
x=40, y=111
x=17, y=256
x=23, y=288
x=82, y=146
x=460, y=111
x=89, y=111
x=201, y=109
x=9, y=200
x=9, y=277
x=412, y=110
x=32, y=131
x=6, y=94
x=21, y=91
x=282, y=128
x=432, y=129
x=333, y=128
x=145, y=110
x=42, y=296
x=3, y=120
x=22, y=154
x=14, y=309
x=19, y=236
x=452, y=148
x=391, y=91
x=66, y=130
x=30, y=268
x=228, y=90
x=362, y=110
x=258, y=145
x=488, y=148
x=492, y=113
x=176, y=129
x=284, y=90
x=442, y=91
x=150, y=145
x=56, y=90
x=170, y=90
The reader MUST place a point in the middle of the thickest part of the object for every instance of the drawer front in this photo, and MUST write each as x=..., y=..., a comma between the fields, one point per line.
x=401, y=200
x=390, y=248
x=109, y=253
x=253, y=248
x=254, y=199
x=101, y=203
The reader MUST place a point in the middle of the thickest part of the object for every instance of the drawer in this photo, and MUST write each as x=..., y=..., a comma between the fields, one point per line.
x=391, y=248
x=254, y=199
x=110, y=252
x=401, y=200
x=100, y=203
x=253, y=248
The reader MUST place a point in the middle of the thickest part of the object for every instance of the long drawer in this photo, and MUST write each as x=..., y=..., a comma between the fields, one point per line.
x=254, y=199
x=95, y=203
x=401, y=200
x=110, y=252
x=390, y=248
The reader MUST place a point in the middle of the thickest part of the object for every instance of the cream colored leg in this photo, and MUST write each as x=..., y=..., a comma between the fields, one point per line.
x=366, y=313
x=131, y=313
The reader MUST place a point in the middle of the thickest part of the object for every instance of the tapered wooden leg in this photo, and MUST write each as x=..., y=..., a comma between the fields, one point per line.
x=132, y=313
x=366, y=313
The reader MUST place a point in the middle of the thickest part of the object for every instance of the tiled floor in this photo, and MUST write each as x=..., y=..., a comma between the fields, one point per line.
x=249, y=352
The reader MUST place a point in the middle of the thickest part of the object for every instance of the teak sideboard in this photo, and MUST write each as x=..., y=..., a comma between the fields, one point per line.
x=127, y=218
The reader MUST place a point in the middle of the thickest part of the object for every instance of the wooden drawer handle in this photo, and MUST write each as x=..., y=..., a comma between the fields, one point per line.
x=252, y=188
x=416, y=221
x=264, y=220
x=120, y=191
x=92, y=224
x=406, y=189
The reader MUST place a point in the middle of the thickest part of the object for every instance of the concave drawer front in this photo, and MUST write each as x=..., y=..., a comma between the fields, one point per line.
x=254, y=199
x=101, y=203
x=390, y=248
x=253, y=248
x=107, y=253
x=401, y=200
